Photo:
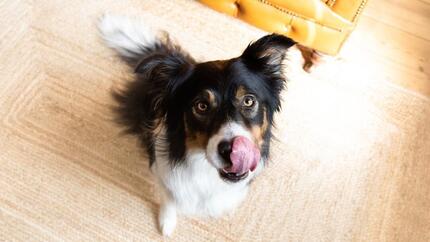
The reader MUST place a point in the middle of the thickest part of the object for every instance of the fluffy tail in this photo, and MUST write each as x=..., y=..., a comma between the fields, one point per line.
x=161, y=67
x=131, y=38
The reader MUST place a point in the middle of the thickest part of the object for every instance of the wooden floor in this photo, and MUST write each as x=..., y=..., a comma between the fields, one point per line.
x=399, y=36
x=351, y=163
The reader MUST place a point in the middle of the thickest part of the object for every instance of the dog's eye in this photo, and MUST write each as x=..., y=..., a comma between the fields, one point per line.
x=248, y=101
x=201, y=107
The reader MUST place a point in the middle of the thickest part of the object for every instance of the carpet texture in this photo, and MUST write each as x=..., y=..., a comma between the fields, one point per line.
x=350, y=163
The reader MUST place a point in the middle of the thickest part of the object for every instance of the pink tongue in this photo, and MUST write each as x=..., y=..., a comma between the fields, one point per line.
x=244, y=156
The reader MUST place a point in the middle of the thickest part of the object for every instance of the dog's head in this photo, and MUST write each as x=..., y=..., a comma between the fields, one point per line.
x=224, y=108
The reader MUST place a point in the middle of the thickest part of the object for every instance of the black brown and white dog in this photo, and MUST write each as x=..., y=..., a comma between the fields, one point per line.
x=206, y=127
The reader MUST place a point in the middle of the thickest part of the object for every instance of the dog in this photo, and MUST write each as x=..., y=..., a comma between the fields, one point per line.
x=205, y=126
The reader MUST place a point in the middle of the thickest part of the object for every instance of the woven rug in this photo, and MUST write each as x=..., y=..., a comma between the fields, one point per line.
x=350, y=162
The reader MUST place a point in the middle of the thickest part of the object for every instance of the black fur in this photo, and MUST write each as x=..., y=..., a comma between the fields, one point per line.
x=168, y=82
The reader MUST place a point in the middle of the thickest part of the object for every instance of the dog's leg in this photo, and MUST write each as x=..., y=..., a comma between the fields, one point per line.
x=167, y=215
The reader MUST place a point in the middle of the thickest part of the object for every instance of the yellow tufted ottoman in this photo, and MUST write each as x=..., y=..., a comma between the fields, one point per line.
x=321, y=25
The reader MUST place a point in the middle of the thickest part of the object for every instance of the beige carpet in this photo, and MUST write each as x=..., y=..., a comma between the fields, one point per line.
x=352, y=162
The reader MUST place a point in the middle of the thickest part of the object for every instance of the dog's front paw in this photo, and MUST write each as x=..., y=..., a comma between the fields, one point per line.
x=167, y=219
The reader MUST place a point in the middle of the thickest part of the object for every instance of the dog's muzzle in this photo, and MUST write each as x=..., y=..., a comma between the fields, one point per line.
x=240, y=155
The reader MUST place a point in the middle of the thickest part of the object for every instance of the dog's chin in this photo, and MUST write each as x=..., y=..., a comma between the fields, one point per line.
x=225, y=175
x=232, y=177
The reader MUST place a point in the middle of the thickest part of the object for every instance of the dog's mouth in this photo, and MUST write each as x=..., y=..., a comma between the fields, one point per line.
x=239, y=156
x=231, y=176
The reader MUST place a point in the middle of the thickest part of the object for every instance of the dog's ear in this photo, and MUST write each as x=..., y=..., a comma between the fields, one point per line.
x=164, y=73
x=267, y=53
x=265, y=57
x=142, y=103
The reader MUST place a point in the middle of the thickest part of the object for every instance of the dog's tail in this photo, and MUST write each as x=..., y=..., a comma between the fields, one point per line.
x=131, y=38
x=160, y=66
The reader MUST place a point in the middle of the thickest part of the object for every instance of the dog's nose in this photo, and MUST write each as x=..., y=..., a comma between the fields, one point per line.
x=224, y=150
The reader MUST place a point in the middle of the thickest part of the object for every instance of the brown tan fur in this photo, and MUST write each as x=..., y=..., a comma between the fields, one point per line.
x=258, y=131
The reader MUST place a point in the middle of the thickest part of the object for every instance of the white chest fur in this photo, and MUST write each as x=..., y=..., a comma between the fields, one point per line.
x=196, y=187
